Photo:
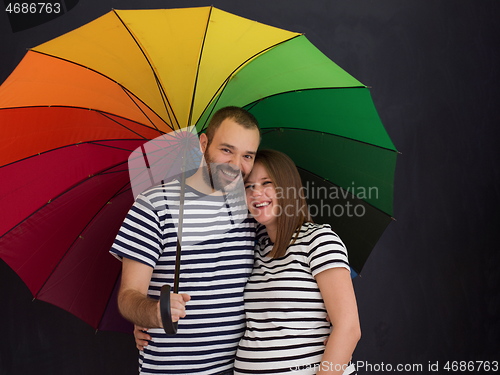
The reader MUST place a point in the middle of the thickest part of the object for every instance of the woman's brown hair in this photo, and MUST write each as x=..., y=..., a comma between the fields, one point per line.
x=291, y=198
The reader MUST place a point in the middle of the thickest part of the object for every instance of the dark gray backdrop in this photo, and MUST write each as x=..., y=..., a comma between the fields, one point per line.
x=430, y=290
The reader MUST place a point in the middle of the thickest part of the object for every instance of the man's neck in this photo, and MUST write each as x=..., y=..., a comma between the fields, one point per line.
x=198, y=182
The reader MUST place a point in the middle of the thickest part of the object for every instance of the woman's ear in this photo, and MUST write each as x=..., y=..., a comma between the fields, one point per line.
x=203, y=142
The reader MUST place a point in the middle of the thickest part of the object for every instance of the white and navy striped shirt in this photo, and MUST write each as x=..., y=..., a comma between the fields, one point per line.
x=217, y=256
x=286, y=315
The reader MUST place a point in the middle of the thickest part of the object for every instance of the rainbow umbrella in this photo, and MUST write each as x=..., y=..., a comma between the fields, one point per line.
x=76, y=107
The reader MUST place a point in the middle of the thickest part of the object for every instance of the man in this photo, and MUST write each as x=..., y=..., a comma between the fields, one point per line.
x=216, y=262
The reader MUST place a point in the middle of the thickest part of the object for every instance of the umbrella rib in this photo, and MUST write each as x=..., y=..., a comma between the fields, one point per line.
x=96, y=142
x=345, y=190
x=163, y=94
x=101, y=74
x=106, y=114
x=142, y=111
x=125, y=127
x=254, y=103
x=268, y=130
x=218, y=93
x=190, y=118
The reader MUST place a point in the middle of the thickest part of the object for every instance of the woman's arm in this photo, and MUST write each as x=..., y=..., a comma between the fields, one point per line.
x=336, y=288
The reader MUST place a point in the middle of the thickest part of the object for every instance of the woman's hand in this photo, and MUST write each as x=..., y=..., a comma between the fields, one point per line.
x=141, y=337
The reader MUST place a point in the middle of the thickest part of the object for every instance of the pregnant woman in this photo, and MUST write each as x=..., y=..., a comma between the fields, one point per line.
x=301, y=275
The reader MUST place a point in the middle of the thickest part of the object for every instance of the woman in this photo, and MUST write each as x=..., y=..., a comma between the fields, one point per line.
x=300, y=276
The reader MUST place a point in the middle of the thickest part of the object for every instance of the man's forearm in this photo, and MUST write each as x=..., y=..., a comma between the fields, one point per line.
x=139, y=309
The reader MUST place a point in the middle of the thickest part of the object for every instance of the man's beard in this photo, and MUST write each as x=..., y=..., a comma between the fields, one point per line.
x=221, y=176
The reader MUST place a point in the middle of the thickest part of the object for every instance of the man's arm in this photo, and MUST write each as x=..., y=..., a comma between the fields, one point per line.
x=133, y=302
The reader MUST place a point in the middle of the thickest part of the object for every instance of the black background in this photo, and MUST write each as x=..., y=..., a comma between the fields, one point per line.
x=430, y=290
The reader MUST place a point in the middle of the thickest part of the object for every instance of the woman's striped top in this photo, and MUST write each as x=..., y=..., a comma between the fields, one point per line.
x=285, y=313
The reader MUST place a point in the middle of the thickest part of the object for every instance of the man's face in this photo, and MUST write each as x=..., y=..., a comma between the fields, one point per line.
x=232, y=150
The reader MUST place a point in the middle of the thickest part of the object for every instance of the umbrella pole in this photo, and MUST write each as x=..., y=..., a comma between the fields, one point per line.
x=179, y=233
x=169, y=326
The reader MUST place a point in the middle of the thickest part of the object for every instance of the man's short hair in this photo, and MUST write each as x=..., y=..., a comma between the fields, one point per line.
x=239, y=115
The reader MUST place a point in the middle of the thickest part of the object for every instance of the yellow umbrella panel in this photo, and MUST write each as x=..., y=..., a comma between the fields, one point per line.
x=173, y=60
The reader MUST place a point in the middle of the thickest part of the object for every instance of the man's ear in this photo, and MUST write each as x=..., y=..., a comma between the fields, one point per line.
x=203, y=142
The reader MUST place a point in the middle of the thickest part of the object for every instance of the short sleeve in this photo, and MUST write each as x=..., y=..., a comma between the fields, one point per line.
x=139, y=237
x=326, y=250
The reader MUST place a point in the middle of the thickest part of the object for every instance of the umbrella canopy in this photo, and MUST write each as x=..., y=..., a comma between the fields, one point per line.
x=76, y=107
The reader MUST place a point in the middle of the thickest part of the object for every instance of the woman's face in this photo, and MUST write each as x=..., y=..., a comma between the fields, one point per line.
x=261, y=196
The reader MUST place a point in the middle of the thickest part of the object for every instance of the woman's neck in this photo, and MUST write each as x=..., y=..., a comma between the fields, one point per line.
x=272, y=232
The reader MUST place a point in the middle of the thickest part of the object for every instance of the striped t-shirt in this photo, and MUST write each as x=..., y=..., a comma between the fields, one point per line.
x=217, y=256
x=285, y=313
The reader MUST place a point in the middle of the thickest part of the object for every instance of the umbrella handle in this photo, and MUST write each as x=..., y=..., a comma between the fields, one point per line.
x=166, y=316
